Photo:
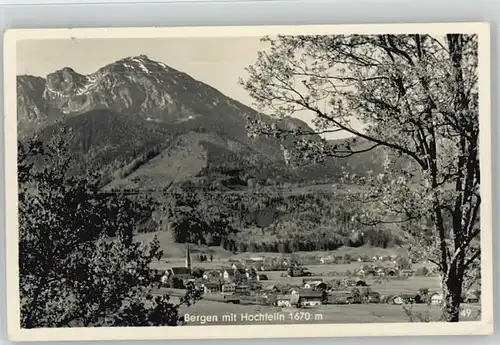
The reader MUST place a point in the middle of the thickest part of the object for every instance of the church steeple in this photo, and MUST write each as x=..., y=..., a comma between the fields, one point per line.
x=188, y=258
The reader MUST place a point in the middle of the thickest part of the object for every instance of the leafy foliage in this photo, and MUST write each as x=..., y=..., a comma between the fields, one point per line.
x=268, y=220
x=413, y=96
x=71, y=272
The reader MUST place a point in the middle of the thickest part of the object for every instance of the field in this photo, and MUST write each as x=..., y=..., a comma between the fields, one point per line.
x=212, y=309
x=174, y=253
x=386, y=287
x=212, y=312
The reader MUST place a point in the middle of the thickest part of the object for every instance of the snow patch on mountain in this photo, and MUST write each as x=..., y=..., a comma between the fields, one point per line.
x=88, y=86
x=142, y=67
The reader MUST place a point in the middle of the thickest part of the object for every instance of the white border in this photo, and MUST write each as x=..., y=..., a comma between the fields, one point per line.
x=483, y=327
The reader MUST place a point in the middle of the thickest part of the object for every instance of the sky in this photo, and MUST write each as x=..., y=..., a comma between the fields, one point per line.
x=218, y=62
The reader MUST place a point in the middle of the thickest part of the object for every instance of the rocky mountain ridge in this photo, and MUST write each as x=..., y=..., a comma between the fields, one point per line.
x=164, y=113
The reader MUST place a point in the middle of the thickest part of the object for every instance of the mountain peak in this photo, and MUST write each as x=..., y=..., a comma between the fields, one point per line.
x=136, y=111
x=65, y=81
x=142, y=57
x=141, y=64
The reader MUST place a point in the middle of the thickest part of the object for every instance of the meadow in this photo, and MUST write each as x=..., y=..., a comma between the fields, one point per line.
x=411, y=285
x=212, y=308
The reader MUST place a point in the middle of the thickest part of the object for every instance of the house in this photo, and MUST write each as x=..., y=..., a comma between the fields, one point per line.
x=297, y=271
x=361, y=283
x=402, y=299
x=315, y=285
x=228, y=288
x=373, y=297
x=211, y=288
x=327, y=260
x=237, y=266
x=164, y=280
x=312, y=281
x=187, y=281
x=390, y=272
x=335, y=284
x=251, y=273
x=471, y=298
x=310, y=298
x=212, y=275
x=256, y=299
x=242, y=288
x=397, y=300
x=370, y=271
x=406, y=273
x=339, y=297
x=253, y=264
x=380, y=271
x=262, y=277
x=157, y=276
x=179, y=272
x=436, y=299
x=408, y=299
x=254, y=285
x=271, y=288
x=363, y=290
x=310, y=285
x=233, y=274
x=284, y=301
x=320, y=287
x=349, y=282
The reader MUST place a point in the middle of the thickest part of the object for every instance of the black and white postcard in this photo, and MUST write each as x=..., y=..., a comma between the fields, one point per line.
x=248, y=182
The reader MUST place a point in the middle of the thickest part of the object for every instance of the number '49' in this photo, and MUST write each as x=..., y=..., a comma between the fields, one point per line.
x=466, y=312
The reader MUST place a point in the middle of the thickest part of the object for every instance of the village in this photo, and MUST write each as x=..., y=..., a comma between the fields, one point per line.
x=289, y=283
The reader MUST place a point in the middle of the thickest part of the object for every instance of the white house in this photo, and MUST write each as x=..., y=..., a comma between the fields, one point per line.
x=233, y=274
x=310, y=298
x=284, y=301
x=436, y=299
x=397, y=300
x=327, y=260
x=211, y=288
x=229, y=288
x=406, y=273
x=211, y=275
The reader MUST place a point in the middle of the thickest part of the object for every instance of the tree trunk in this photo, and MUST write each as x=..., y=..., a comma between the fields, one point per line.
x=452, y=297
